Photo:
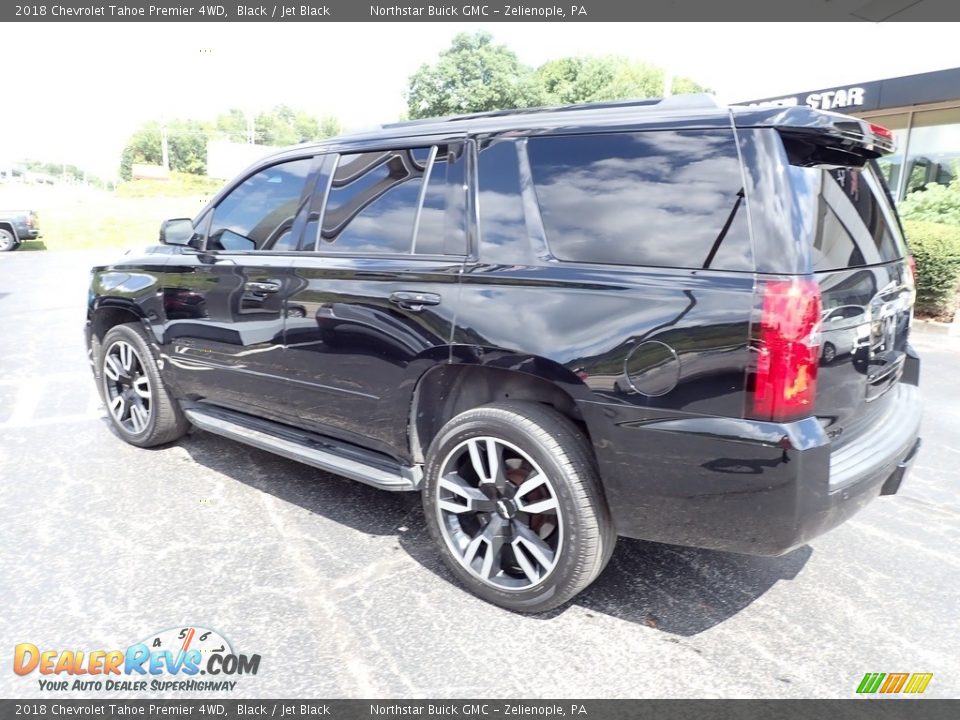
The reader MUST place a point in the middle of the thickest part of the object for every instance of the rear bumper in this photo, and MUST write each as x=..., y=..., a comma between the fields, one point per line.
x=742, y=485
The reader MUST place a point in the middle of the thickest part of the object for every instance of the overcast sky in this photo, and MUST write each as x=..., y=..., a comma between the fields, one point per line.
x=73, y=92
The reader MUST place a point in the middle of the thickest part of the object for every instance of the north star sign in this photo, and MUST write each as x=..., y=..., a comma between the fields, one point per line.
x=823, y=99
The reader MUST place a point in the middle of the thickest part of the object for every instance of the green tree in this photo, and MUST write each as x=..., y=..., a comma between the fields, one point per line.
x=186, y=145
x=142, y=147
x=329, y=126
x=285, y=126
x=232, y=125
x=187, y=139
x=473, y=75
x=572, y=80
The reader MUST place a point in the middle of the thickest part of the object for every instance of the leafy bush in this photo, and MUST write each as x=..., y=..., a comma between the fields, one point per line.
x=936, y=248
x=935, y=203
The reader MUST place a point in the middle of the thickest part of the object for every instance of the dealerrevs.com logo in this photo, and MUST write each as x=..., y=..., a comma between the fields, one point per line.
x=189, y=659
x=893, y=683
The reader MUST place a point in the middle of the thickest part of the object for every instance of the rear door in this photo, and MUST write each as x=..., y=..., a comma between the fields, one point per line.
x=860, y=261
x=375, y=289
x=224, y=305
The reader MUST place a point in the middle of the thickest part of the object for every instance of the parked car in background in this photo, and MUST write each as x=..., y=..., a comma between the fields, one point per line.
x=558, y=325
x=845, y=328
x=16, y=227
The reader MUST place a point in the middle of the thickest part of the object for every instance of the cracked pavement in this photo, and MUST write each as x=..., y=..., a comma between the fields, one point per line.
x=339, y=589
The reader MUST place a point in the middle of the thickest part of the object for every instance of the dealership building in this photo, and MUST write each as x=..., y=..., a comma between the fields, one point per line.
x=923, y=111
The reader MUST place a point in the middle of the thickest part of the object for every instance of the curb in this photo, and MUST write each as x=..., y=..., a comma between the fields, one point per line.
x=934, y=327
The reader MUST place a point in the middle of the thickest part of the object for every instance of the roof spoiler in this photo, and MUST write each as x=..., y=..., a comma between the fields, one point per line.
x=838, y=140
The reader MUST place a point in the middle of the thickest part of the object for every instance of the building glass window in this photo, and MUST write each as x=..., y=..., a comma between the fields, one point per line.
x=934, y=151
x=890, y=165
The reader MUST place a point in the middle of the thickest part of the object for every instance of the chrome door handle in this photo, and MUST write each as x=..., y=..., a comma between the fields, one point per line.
x=414, y=300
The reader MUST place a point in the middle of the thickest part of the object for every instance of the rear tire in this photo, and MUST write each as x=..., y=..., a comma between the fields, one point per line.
x=7, y=241
x=140, y=407
x=512, y=497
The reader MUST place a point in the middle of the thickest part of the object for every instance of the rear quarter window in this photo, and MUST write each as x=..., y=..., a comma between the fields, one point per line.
x=659, y=198
x=857, y=226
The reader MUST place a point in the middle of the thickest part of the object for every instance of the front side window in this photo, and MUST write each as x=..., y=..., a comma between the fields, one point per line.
x=657, y=198
x=258, y=214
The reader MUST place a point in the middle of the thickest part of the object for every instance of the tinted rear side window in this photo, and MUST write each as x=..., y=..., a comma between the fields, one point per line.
x=440, y=229
x=660, y=198
x=503, y=228
x=856, y=222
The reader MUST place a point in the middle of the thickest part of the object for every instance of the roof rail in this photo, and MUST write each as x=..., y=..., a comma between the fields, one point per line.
x=697, y=100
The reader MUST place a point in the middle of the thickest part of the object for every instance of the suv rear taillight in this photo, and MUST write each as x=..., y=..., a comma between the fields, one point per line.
x=788, y=350
x=912, y=264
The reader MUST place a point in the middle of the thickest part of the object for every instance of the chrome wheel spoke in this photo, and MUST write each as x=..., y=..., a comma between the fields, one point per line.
x=141, y=386
x=473, y=500
x=485, y=457
x=540, y=551
x=493, y=536
x=545, y=505
x=470, y=552
x=118, y=407
x=111, y=368
x=138, y=417
x=529, y=569
x=126, y=355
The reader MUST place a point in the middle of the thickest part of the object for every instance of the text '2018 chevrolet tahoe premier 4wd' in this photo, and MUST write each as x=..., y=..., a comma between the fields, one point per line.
x=665, y=320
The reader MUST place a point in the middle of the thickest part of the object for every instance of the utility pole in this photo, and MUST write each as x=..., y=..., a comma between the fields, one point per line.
x=164, y=148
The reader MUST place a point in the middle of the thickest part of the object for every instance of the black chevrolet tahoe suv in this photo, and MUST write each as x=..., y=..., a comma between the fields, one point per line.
x=666, y=320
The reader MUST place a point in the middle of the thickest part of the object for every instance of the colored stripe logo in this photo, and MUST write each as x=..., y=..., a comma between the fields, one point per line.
x=889, y=683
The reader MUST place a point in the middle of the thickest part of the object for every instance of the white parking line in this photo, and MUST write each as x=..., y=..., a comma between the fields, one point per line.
x=30, y=392
x=28, y=399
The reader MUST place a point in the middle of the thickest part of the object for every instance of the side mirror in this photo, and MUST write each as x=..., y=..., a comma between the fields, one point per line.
x=178, y=231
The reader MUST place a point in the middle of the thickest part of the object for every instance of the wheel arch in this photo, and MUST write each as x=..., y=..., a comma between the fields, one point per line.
x=445, y=391
x=110, y=312
x=107, y=313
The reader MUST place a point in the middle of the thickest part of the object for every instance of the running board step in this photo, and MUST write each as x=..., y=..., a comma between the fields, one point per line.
x=311, y=449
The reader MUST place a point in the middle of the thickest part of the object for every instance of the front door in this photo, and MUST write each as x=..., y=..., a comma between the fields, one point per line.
x=225, y=305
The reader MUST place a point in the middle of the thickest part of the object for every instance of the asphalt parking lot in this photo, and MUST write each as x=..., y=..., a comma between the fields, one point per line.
x=338, y=587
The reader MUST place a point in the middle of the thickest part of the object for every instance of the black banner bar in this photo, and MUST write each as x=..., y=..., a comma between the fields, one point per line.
x=482, y=11
x=855, y=709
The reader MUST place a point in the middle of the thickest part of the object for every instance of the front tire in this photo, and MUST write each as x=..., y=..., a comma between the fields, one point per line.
x=512, y=497
x=139, y=405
